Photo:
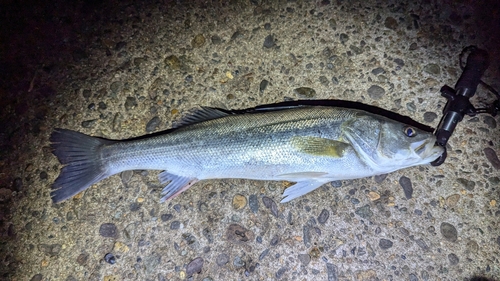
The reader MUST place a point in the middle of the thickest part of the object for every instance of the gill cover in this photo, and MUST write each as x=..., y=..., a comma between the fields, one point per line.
x=386, y=144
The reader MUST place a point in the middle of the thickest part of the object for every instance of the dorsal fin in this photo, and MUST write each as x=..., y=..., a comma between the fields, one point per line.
x=199, y=115
x=203, y=113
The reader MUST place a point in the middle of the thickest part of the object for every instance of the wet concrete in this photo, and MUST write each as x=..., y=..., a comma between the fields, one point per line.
x=124, y=69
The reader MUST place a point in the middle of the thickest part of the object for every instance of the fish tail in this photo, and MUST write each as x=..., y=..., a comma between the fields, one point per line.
x=80, y=154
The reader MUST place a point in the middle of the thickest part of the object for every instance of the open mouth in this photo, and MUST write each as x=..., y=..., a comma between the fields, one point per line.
x=427, y=149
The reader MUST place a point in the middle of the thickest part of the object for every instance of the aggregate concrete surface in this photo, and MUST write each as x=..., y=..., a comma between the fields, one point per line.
x=120, y=69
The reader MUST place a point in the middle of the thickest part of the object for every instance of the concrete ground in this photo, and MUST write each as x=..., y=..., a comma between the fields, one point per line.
x=124, y=69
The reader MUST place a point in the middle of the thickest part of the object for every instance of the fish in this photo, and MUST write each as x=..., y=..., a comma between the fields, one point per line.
x=308, y=145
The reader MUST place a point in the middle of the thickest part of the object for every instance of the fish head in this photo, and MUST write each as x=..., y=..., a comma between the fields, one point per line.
x=388, y=145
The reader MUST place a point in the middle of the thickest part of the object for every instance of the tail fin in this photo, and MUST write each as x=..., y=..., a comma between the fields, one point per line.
x=83, y=166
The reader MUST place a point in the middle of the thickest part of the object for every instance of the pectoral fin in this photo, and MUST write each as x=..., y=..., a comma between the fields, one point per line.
x=320, y=146
x=300, y=188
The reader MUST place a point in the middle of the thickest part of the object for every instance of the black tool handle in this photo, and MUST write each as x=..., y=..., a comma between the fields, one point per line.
x=477, y=63
x=458, y=99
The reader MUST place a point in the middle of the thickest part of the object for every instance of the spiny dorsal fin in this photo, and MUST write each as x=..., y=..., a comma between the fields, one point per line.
x=320, y=146
x=200, y=115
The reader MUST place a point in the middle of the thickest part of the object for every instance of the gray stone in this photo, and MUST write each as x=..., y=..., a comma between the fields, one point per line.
x=385, y=244
x=238, y=234
x=153, y=124
x=134, y=207
x=166, y=217
x=271, y=205
x=208, y=235
x=175, y=225
x=336, y=184
x=306, y=235
x=129, y=231
x=421, y=243
x=399, y=62
x=364, y=211
x=378, y=70
x=323, y=80
x=275, y=240
x=407, y=186
x=305, y=259
x=430, y=116
x=253, y=203
x=380, y=178
x=289, y=218
x=222, y=259
x=411, y=106
x=238, y=262
x=269, y=41
x=263, y=85
x=391, y=23
x=323, y=216
x=87, y=93
x=151, y=263
x=344, y=38
x=237, y=35
x=89, y=123
x=108, y=230
x=331, y=271
x=189, y=238
x=449, y=232
x=305, y=92
x=198, y=41
x=467, y=184
x=82, y=259
x=356, y=49
x=453, y=259
x=126, y=176
x=130, y=103
x=432, y=69
x=115, y=86
x=263, y=254
x=120, y=45
x=376, y=92
x=37, y=277
x=195, y=266
x=492, y=156
x=425, y=275
x=490, y=121
x=50, y=249
x=216, y=40
x=280, y=272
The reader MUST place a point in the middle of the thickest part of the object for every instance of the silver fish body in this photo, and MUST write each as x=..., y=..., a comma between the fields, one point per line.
x=307, y=145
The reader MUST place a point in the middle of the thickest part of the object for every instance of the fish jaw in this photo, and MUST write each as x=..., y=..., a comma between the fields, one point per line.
x=418, y=153
x=427, y=150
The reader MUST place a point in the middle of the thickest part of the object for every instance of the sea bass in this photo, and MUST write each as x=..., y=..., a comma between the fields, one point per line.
x=308, y=145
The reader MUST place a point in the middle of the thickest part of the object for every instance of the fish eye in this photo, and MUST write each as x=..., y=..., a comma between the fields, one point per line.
x=410, y=132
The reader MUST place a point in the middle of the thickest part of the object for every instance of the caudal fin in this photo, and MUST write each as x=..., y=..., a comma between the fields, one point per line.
x=83, y=166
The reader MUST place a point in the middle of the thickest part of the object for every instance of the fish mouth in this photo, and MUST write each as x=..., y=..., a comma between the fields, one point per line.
x=427, y=149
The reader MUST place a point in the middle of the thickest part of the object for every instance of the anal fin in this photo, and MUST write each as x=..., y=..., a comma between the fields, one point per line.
x=300, y=188
x=177, y=185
